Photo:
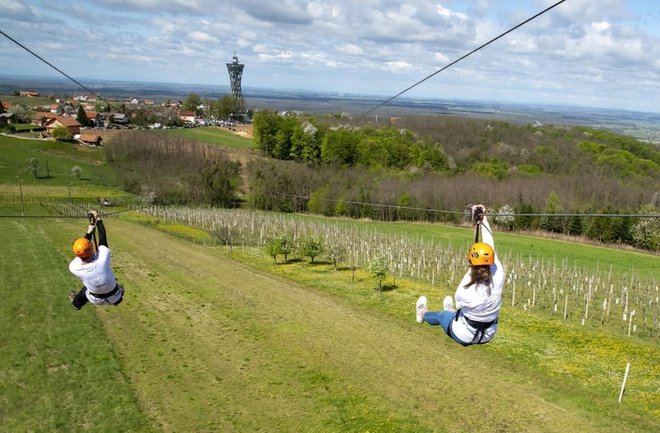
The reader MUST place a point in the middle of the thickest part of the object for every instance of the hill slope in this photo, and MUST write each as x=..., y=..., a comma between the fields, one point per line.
x=207, y=344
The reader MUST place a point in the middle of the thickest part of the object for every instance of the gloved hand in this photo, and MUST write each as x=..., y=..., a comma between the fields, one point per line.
x=478, y=212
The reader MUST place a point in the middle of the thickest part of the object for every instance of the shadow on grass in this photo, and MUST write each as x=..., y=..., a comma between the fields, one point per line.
x=387, y=287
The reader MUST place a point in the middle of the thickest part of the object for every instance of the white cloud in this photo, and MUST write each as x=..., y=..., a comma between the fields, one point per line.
x=398, y=66
x=202, y=37
x=350, y=49
x=446, y=13
x=17, y=10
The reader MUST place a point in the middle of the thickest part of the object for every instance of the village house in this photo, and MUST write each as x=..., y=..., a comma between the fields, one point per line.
x=187, y=116
x=119, y=119
x=39, y=118
x=55, y=109
x=69, y=122
x=28, y=93
x=6, y=118
x=107, y=119
x=91, y=139
x=94, y=117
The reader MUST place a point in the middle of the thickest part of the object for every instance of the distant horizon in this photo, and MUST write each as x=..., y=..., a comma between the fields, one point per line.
x=87, y=81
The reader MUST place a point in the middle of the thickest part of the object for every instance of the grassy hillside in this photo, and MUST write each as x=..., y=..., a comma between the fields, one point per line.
x=55, y=162
x=239, y=349
x=214, y=135
x=209, y=340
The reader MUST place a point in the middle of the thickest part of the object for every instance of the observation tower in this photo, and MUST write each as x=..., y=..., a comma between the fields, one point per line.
x=235, y=74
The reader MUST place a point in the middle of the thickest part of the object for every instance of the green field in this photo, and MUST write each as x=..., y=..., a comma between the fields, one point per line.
x=55, y=160
x=209, y=340
x=240, y=349
x=214, y=135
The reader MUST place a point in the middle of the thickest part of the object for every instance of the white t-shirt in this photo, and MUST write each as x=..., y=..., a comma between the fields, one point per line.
x=95, y=275
x=474, y=301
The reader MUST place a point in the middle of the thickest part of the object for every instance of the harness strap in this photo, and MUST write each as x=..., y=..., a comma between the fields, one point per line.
x=480, y=327
x=105, y=295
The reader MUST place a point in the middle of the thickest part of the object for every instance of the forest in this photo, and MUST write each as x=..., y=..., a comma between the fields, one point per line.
x=421, y=168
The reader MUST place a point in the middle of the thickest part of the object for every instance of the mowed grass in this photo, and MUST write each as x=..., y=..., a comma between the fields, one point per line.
x=56, y=161
x=58, y=371
x=213, y=135
x=204, y=343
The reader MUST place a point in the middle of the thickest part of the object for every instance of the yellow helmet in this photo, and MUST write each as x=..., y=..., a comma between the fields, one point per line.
x=481, y=254
x=83, y=248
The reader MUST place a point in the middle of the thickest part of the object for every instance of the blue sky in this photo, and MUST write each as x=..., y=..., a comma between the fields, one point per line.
x=603, y=53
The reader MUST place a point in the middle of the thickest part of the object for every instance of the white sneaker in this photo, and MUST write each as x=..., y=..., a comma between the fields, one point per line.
x=421, y=307
x=448, y=303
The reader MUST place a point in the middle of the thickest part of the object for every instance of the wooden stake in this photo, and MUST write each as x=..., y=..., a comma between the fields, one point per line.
x=623, y=385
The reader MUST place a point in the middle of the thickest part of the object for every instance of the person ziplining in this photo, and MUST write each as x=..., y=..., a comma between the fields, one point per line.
x=92, y=266
x=478, y=296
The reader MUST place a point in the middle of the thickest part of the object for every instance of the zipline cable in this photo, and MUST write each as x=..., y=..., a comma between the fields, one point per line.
x=394, y=206
x=391, y=206
x=57, y=69
x=67, y=216
x=463, y=57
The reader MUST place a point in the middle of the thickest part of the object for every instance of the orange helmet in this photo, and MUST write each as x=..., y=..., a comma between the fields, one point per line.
x=83, y=248
x=481, y=254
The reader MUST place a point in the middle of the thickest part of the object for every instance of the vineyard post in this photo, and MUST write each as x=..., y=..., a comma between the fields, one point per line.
x=623, y=385
x=20, y=189
x=513, y=292
x=632, y=313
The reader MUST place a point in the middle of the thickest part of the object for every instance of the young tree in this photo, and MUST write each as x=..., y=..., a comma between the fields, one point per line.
x=336, y=252
x=33, y=167
x=379, y=268
x=273, y=248
x=311, y=248
x=286, y=247
x=76, y=171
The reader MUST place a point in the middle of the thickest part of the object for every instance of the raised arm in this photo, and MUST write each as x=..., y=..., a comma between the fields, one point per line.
x=486, y=232
x=100, y=229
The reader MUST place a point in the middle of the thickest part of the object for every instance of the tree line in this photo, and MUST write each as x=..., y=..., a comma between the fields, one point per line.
x=171, y=170
x=315, y=173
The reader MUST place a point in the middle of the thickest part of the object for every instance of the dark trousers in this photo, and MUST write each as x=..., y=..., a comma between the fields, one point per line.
x=80, y=299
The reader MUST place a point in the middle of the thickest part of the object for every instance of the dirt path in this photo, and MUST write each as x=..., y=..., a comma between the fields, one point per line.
x=211, y=345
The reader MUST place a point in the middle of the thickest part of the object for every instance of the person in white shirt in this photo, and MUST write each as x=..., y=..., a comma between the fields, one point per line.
x=100, y=286
x=478, y=296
